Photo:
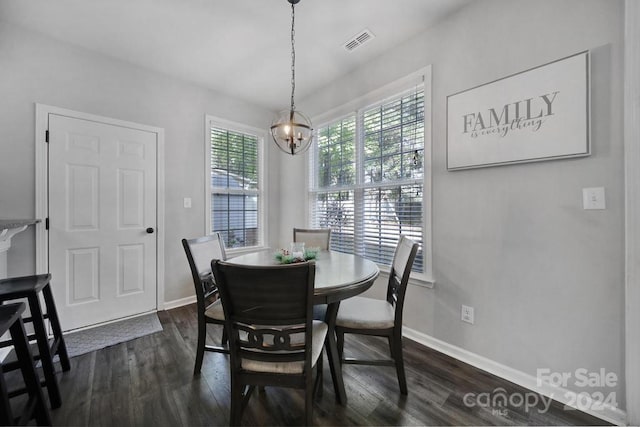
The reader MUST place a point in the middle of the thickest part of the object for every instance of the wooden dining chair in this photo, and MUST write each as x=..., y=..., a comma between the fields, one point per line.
x=367, y=316
x=313, y=237
x=199, y=253
x=273, y=339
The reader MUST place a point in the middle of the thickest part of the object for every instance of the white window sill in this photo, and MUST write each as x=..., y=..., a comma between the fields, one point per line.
x=416, y=279
x=234, y=252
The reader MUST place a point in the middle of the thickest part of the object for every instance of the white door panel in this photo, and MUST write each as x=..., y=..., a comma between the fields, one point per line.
x=102, y=199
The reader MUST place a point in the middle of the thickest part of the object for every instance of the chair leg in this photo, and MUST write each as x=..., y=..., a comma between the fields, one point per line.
x=246, y=395
x=202, y=332
x=44, y=351
x=340, y=342
x=396, y=351
x=31, y=380
x=225, y=337
x=308, y=403
x=54, y=320
x=6, y=414
x=236, y=402
x=318, y=384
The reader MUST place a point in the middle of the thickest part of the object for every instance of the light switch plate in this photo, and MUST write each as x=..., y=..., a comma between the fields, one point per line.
x=593, y=198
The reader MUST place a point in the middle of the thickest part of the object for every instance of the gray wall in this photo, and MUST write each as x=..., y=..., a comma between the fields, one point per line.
x=546, y=278
x=34, y=69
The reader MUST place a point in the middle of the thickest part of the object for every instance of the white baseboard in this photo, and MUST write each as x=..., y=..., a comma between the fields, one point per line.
x=168, y=305
x=607, y=412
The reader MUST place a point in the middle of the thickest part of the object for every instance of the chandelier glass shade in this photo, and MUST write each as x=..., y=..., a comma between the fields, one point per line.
x=291, y=130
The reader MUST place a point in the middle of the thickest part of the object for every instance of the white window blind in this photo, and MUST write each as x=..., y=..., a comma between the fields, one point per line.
x=367, y=178
x=335, y=169
x=234, y=187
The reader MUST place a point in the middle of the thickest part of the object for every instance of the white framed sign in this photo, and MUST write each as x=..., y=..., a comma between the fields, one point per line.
x=535, y=115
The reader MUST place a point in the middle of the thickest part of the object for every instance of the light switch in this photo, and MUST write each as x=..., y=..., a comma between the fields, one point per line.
x=593, y=198
x=187, y=202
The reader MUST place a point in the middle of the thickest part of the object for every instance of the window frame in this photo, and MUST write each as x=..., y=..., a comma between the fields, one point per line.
x=370, y=100
x=260, y=134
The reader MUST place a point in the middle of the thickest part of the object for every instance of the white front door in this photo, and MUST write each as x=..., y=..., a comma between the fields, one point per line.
x=102, y=220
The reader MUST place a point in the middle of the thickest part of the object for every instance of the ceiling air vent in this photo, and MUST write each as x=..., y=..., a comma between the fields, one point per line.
x=358, y=40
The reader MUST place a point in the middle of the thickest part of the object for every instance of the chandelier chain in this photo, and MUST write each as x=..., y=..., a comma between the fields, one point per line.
x=293, y=57
x=291, y=130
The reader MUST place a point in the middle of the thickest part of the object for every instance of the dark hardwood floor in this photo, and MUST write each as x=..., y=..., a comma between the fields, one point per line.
x=149, y=381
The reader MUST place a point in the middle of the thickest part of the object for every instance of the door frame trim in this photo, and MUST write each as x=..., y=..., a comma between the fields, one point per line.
x=632, y=208
x=42, y=185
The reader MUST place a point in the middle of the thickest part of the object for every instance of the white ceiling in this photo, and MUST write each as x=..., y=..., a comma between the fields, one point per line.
x=238, y=47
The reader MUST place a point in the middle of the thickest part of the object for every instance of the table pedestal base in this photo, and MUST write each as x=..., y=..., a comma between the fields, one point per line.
x=332, y=354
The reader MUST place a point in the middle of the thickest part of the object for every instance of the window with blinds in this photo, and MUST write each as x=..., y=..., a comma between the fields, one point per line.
x=367, y=177
x=234, y=183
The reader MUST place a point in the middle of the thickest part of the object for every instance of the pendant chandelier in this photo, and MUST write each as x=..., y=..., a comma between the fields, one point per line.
x=291, y=130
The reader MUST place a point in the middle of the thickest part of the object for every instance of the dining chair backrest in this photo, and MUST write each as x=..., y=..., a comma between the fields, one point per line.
x=313, y=237
x=268, y=310
x=273, y=339
x=200, y=252
x=403, y=258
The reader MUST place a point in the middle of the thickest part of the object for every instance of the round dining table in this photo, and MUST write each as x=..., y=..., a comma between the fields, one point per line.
x=338, y=276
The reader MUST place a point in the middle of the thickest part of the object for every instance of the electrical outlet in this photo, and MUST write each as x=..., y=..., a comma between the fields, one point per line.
x=467, y=314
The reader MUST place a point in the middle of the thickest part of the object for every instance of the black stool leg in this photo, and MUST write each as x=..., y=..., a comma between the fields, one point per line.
x=45, y=353
x=27, y=367
x=6, y=415
x=55, y=326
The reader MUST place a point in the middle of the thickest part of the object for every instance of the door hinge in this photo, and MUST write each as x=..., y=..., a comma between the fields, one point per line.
x=46, y=224
x=46, y=136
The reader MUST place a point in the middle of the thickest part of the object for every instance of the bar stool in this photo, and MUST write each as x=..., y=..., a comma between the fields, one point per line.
x=35, y=407
x=30, y=287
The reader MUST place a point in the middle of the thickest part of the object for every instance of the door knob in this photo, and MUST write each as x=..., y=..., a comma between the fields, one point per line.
x=150, y=230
